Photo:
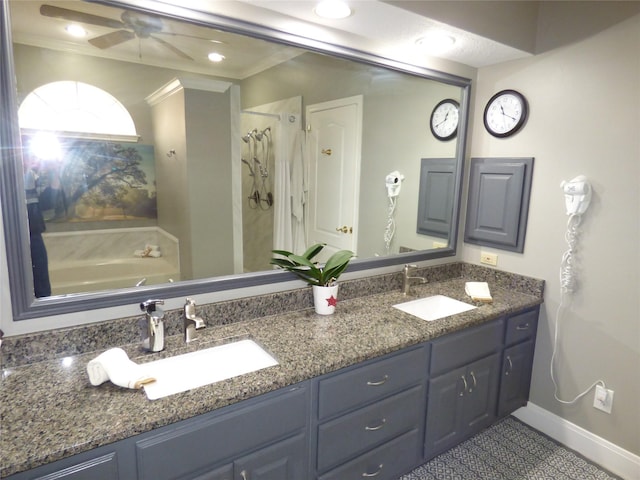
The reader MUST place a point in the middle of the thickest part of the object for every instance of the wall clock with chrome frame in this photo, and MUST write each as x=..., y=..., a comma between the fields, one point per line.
x=505, y=113
x=444, y=119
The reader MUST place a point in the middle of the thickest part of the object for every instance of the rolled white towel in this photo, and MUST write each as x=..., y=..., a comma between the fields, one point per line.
x=115, y=365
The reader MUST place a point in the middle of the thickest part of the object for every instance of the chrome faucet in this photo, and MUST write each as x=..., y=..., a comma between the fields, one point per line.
x=406, y=278
x=191, y=321
x=155, y=325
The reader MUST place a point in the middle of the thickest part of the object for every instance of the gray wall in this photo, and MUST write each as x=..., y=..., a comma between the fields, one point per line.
x=585, y=111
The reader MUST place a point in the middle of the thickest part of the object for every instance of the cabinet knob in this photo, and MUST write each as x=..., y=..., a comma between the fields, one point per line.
x=523, y=326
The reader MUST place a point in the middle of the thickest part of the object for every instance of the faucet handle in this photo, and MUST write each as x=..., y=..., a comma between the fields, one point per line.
x=150, y=306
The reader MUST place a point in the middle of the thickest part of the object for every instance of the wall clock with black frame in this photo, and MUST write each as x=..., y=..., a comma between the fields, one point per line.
x=444, y=120
x=505, y=113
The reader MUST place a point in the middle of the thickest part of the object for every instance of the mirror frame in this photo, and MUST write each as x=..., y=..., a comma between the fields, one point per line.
x=24, y=303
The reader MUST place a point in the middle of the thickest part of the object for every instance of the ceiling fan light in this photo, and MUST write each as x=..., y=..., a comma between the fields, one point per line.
x=75, y=30
x=215, y=57
x=333, y=9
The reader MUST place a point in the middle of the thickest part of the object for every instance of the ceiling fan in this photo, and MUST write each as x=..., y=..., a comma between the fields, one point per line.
x=131, y=25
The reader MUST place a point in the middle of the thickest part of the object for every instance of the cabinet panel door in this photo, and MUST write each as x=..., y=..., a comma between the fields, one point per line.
x=222, y=473
x=286, y=460
x=515, y=377
x=444, y=410
x=480, y=400
x=220, y=438
x=463, y=347
x=346, y=391
x=386, y=462
x=104, y=468
x=522, y=326
x=357, y=432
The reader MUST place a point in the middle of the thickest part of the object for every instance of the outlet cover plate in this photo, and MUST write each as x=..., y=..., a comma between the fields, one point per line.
x=489, y=258
x=603, y=399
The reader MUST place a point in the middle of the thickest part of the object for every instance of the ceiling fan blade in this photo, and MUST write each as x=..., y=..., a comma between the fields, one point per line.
x=175, y=50
x=75, y=16
x=111, y=39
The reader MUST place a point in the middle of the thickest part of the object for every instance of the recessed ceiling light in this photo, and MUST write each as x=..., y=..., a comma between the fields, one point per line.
x=75, y=30
x=216, y=57
x=436, y=42
x=333, y=9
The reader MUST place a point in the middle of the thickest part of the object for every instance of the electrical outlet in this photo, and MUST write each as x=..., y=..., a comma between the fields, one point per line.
x=489, y=258
x=603, y=399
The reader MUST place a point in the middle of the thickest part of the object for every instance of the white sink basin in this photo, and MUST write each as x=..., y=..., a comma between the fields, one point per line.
x=435, y=307
x=203, y=367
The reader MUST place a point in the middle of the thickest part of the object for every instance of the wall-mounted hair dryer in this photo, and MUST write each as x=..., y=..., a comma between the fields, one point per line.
x=577, y=195
x=394, y=183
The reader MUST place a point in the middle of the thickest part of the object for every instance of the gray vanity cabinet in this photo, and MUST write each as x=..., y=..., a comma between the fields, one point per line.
x=377, y=419
x=517, y=361
x=261, y=439
x=370, y=419
x=464, y=385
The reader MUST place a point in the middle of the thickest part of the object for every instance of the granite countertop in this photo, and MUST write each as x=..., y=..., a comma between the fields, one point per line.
x=49, y=410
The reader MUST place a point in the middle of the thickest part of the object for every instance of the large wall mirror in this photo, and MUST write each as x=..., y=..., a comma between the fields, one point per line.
x=157, y=168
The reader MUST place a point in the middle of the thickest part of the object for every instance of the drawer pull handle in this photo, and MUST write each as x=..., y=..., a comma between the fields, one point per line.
x=465, y=385
x=475, y=383
x=374, y=474
x=523, y=327
x=378, y=383
x=243, y=473
x=510, y=369
x=377, y=427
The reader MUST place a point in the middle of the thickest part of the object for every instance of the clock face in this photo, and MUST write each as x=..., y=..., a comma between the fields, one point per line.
x=444, y=119
x=505, y=113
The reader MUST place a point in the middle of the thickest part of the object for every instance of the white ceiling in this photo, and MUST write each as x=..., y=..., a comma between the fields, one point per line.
x=374, y=27
x=487, y=32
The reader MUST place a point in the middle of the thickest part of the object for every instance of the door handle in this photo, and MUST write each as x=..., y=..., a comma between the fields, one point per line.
x=510, y=369
x=465, y=386
x=374, y=474
x=378, y=383
x=344, y=229
x=326, y=151
x=377, y=427
x=475, y=383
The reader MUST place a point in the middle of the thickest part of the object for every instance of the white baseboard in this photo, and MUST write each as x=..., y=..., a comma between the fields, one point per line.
x=611, y=457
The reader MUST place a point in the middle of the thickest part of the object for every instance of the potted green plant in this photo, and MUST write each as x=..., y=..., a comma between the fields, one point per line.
x=323, y=278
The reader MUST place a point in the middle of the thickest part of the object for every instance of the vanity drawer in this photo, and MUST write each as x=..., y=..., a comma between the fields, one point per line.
x=206, y=441
x=460, y=348
x=522, y=326
x=345, y=391
x=357, y=432
x=386, y=462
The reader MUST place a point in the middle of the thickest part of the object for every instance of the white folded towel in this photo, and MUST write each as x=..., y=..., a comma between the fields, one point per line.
x=114, y=365
x=478, y=291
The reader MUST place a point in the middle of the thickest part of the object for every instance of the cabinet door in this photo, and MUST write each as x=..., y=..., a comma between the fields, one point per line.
x=515, y=377
x=481, y=396
x=444, y=411
x=286, y=460
x=461, y=403
x=104, y=468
